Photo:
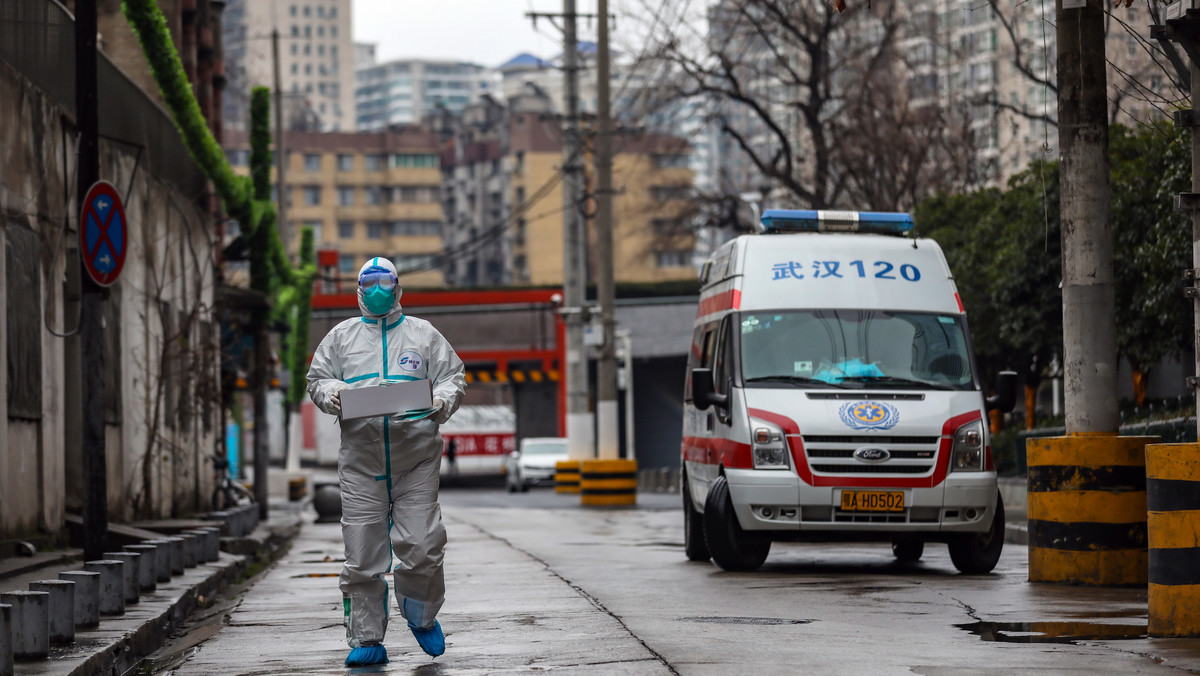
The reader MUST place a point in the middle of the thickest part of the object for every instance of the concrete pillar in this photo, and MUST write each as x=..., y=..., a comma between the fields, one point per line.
x=87, y=596
x=130, y=574
x=190, y=559
x=162, y=559
x=6, y=646
x=223, y=520
x=213, y=542
x=147, y=566
x=61, y=610
x=112, y=584
x=30, y=623
x=176, y=555
x=205, y=538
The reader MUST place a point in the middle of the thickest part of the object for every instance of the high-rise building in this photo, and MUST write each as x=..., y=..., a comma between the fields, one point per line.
x=316, y=60
x=364, y=194
x=404, y=91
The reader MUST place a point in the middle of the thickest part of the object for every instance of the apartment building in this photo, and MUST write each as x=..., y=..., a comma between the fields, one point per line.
x=316, y=59
x=404, y=91
x=364, y=194
x=503, y=195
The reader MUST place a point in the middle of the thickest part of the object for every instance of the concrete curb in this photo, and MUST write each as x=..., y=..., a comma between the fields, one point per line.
x=121, y=642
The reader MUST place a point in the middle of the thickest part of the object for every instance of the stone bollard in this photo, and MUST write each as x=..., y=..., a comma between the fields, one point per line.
x=112, y=584
x=210, y=542
x=30, y=623
x=246, y=514
x=162, y=559
x=327, y=500
x=147, y=566
x=176, y=545
x=199, y=546
x=220, y=520
x=87, y=596
x=6, y=646
x=61, y=608
x=132, y=574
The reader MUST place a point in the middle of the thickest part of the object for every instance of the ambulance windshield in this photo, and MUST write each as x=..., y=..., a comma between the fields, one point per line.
x=855, y=349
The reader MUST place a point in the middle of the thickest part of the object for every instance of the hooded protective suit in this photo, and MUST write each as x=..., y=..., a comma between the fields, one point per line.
x=388, y=467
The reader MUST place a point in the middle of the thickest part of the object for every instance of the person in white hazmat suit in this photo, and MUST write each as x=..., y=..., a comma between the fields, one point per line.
x=388, y=466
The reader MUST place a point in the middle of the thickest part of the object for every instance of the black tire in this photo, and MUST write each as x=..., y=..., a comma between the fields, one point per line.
x=508, y=484
x=693, y=528
x=978, y=553
x=908, y=551
x=732, y=548
x=524, y=487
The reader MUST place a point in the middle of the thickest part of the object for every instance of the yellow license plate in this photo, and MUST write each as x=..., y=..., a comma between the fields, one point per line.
x=872, y=501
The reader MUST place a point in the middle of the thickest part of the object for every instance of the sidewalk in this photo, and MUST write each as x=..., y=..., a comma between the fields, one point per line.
x=120, y=642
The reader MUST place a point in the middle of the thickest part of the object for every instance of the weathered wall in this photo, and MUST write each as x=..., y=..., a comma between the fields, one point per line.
x=161, y=421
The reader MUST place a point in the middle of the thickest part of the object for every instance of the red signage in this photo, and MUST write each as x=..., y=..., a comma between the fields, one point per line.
x=487, y=443
x=103, y=236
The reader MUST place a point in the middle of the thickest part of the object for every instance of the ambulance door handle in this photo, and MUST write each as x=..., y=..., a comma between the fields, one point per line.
x=708, y=422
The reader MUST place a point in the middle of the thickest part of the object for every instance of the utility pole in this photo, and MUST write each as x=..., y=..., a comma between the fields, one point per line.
x=1089, y=324
x=608, y=445
x=94, y=461
x=292, y=455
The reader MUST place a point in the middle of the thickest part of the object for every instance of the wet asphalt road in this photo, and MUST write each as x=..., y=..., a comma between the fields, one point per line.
x=537, y=583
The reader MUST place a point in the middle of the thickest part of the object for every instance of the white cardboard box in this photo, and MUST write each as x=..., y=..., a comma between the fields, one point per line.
x=395, y=397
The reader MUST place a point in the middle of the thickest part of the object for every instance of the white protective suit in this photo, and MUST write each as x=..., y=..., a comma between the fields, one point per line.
x=388, y=468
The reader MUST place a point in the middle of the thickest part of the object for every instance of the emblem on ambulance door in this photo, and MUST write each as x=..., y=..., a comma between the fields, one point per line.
x=869, y=415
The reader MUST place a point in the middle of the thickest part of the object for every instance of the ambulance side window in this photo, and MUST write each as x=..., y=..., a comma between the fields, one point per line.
x=710, y=342
x=722, y=371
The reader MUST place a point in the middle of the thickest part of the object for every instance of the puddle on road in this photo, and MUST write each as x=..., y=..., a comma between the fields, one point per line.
x=743, y=620
x=1053, y=632
x=316, y=575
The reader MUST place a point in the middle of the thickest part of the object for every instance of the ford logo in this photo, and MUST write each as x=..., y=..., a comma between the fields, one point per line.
x=872, y=454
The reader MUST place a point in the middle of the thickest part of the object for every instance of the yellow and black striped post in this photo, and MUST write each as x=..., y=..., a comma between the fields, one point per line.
x=566, y=476
x=1087, y=509
x=1173, y=530
x=608, y=483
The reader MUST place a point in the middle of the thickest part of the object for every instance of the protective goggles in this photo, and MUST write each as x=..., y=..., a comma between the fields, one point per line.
x=382, y=278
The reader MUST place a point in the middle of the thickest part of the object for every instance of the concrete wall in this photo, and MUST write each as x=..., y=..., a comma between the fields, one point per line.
x=157, y=454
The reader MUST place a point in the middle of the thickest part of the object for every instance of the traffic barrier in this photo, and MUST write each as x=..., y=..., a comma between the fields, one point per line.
x=147, y=566
x=112, y=584
x=297, y=488
x=87, y=596
x=131, y=575
x=60, y=608
x=1087, y=509
x=608, y=483
x=566, y=476
x=30, y=623
x=6, y=643
x=162, y=559
x=1173, y=525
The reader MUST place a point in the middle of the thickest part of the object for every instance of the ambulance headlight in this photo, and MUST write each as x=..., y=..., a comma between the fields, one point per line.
x=768, y=445
x=967, y=453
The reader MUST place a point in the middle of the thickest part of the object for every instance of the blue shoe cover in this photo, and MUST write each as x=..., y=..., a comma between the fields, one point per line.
x=368, y=654
x=431, y=640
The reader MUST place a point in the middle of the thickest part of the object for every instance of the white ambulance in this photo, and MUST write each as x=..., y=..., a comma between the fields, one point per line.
x=832, y=395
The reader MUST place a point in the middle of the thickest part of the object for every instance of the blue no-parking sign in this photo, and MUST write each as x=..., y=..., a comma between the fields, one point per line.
x=103, y=233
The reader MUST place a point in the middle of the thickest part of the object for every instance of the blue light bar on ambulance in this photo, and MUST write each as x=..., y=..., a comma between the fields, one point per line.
x=808, y=220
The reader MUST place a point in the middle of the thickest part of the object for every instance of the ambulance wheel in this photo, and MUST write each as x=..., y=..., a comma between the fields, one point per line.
x=908, y=551
x=693, y=528
x=978, y=553
x=732, y=548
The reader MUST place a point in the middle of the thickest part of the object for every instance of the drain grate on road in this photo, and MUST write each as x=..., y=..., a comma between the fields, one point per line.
x=742, y=620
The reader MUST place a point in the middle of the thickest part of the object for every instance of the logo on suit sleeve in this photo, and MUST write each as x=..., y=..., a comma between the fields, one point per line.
x=410, y=361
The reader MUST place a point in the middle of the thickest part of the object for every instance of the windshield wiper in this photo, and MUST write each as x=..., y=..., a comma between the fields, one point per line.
x=898, y=382
x=795, y=380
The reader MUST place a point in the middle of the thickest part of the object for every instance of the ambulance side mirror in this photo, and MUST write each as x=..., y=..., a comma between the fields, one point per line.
x=1006, y=393
x=703, y=395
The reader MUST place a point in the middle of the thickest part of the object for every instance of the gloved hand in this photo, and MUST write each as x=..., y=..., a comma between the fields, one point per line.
x=335, y=399
x=441, y=412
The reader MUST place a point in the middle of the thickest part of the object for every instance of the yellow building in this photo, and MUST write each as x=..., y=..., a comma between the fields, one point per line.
x=364, y=194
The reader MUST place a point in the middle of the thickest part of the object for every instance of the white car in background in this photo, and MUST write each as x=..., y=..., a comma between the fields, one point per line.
x=533, y=462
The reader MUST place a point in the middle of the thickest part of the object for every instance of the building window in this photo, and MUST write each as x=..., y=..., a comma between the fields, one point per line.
x=374, y=230
x=411, y=161
x=675, y=161
x=374, y=194
x=345, y=162
x=667, y=193
x=333, y=31
x=238, y=158
x=316, y=228
x=672, y=259
x=332, y=12
x=295, y=48
x=346, y=263
x=414, y=262
x=312, y=162
x=373, y=162
x=312, y=195
x=345, y=195
x=292, y=10
x=295, y=30
x=345, y=230
x=416, y=228
x=307, y=11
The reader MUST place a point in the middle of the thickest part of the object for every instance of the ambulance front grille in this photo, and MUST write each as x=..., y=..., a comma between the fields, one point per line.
x=834, y=454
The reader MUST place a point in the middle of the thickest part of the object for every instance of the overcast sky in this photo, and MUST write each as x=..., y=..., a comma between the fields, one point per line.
x=488, y=32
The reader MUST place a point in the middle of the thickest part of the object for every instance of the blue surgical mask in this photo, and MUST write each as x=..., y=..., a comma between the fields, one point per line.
x=379, y=301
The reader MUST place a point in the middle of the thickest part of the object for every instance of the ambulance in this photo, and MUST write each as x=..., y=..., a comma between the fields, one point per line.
x=832, y=395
